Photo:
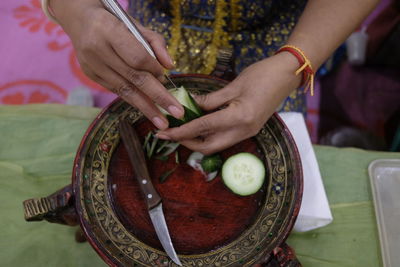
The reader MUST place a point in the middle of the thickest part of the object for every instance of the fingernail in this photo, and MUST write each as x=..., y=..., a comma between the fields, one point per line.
x=159, y=123
x=176, y=112
x=171, y=61
x=162, y=136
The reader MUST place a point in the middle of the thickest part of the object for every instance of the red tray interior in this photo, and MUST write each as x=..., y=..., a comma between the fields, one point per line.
x=201, y=216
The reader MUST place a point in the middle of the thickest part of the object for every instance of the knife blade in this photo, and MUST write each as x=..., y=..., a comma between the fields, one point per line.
x=115, y=8
x=153, y=199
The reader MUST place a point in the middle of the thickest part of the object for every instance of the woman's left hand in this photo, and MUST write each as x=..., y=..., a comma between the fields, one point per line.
x=248, y=102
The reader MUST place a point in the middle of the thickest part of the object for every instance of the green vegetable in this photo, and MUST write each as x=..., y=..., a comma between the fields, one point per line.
x=154, y=147
x=192, y=110
x=162, y=158
x=166, y=174
x=169, y=148
x=162, y=146
x=146, y=140
x=150, y=143
x=243, y=173
x=211, y=163
x=150, y=152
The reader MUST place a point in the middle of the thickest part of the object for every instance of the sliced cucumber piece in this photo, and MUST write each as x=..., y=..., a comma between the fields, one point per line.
x=186, y=99
x=243, y=173
x=192, y=110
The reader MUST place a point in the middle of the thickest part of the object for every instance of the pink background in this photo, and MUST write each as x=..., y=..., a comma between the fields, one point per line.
x=38, y=63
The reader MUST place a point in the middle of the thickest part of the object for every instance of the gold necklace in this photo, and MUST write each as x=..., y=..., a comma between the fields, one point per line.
x=219, y=38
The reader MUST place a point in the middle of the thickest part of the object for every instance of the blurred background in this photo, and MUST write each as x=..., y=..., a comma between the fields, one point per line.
x=357, y=99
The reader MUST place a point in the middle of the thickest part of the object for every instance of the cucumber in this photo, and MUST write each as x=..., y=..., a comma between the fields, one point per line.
x=243, y=173
x=211, y=163
x=192, y=110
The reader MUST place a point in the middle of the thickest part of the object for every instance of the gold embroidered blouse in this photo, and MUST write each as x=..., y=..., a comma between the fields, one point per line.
x=196, y=29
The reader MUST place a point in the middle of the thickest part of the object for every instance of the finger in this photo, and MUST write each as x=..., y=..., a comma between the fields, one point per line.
x=157, y=42
x=203, y=126
x=147, y=84
x=117, y=84
x=214, y=143
x=215, y=99
x=128, y=48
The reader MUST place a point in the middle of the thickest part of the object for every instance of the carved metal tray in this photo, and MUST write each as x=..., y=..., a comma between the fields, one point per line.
x=218, y=229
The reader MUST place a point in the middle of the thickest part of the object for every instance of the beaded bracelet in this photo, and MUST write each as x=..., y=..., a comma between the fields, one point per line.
x=305, y=66
x=48, y=12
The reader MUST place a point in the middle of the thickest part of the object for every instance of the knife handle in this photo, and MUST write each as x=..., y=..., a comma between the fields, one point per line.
x=138, y=161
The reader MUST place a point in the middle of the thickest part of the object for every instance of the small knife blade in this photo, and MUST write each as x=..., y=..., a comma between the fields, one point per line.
x=115, y=8
x=153, y=199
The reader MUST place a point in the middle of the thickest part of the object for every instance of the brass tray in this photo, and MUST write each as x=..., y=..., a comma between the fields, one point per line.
x=118, y=245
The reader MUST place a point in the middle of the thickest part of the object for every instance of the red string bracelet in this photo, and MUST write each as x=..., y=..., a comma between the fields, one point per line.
x=305, y=66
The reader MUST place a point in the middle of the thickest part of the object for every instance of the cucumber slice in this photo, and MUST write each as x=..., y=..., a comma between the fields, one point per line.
x=192, y=110
x=243, y=173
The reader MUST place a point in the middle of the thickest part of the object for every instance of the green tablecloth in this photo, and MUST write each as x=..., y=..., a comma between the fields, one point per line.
x=37, y=148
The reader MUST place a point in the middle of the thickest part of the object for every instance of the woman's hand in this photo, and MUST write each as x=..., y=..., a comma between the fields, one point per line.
x=251, y=98
x=111, y=56
x=247, y=103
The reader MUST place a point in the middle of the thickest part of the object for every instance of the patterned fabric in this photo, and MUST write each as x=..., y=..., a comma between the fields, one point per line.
x=38, y=63
x=196, y=29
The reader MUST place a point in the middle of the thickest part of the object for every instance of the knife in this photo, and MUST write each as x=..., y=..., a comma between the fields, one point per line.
x=153, y=199
x=115, y=8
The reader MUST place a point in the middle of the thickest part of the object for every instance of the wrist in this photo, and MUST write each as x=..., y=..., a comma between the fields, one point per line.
x=64, y=10
x=305, y=68
x=290, y=65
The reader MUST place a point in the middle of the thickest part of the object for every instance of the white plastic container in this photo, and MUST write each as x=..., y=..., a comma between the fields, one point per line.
x=356, y=47
x=385, y=183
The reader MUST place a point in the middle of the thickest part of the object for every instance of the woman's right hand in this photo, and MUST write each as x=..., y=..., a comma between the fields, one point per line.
x=110, y=55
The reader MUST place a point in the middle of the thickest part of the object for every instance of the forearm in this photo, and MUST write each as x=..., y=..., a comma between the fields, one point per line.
x=325, y=24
